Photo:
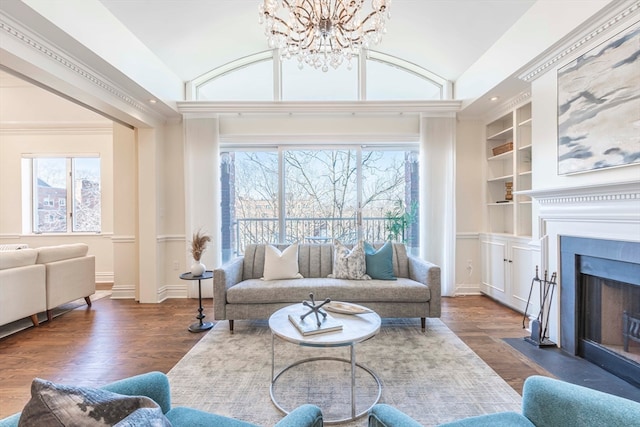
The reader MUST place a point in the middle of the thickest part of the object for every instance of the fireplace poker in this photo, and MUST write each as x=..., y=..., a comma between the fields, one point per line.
x=526, y=307
x=552, y=285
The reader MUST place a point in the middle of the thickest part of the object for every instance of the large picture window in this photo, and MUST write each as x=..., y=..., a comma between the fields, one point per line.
x=65, y=194
x=286, y=195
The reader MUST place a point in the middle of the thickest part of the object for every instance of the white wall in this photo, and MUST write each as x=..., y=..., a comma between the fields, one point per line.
x=545, y=133
x=469, y=205
x=570, y=208
x=36, y=121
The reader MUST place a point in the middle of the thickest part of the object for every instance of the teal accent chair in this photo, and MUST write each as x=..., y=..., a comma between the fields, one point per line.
x=546, y=402
x=155, y=385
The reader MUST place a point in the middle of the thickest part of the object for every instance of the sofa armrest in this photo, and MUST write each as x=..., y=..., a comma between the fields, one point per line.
x=154, y=385
x=225, y=277
x=303, y=416
x=70, y=279
x=547, y=401
x=428, y=273
x=382, y=415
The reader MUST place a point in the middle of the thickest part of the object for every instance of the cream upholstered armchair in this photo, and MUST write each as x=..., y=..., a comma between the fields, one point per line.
x=22, y=286
x=70, y=274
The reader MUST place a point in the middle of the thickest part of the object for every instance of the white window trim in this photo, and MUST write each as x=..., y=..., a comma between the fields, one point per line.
x=192, y=87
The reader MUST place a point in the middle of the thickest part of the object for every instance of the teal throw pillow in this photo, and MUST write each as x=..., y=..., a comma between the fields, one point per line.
x=380, y=262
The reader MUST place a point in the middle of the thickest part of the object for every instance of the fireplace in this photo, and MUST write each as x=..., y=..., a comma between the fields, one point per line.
x=600, y=303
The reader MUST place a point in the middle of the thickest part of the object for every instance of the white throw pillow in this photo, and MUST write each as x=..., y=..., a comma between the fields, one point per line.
x=281, y=265
x=349, y=264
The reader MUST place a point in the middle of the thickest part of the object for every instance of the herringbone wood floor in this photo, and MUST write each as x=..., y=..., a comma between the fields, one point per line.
x=115, y=339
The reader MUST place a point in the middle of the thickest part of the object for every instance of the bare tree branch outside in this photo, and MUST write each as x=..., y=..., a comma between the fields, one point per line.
x=320, y=196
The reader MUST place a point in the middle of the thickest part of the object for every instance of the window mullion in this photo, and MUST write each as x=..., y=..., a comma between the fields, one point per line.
x=282, y=209
x=70, y=190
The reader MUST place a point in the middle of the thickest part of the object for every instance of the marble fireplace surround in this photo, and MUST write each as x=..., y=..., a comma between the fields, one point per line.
x=602, y=211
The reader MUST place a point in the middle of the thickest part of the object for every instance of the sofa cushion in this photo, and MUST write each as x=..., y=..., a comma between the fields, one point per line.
x=349, y=263
x=379, y=262
x=59, y=405
x=49, y=254
x=18, y=258
x=281, y=265
x=256, y=291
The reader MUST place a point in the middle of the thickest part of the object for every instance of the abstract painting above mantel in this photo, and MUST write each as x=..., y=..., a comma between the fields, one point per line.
x=599, y=106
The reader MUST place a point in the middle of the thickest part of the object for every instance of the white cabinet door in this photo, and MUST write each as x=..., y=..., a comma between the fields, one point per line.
x=494, y=253
x=521, y=275
x=507, y=269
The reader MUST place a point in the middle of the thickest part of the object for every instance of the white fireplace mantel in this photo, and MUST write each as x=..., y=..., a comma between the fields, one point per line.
x=601, y=211
x=616, y=202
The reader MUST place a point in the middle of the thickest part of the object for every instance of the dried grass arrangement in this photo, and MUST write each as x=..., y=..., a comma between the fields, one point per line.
x=199, y=244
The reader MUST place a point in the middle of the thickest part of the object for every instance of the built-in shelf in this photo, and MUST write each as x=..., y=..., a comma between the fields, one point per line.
x=503, y=156
x=500, y=178
x=502, y=134
x=514, y=166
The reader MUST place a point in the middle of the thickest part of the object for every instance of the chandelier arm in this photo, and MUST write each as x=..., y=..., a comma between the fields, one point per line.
x=283, y=22
x=348, y=40
x=296, y=12
x=370, y=15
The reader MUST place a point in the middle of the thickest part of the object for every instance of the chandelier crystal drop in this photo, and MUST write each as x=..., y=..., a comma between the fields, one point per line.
x=323, y=33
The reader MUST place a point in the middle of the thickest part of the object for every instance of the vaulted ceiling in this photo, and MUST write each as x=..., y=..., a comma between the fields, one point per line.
x=151, y=48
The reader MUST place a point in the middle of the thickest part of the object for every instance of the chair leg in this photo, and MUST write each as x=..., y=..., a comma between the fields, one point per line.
x=423, y=323
x=34, y=319
x=49, y=315
x=88, y=300
x=230, y=325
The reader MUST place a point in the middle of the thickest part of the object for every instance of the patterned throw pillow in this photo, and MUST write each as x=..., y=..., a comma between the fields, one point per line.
x=349, y=264
x=54, y=405
x=380, y=262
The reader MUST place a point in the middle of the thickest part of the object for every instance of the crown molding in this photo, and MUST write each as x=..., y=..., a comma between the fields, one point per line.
x=26, y=42
x=508, y=106
x=35, y=43
x=319, y=107
x=615, y=192
x=550, y=60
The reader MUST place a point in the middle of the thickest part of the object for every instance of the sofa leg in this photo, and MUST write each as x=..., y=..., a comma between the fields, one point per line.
x=423, y=323
x=34, y=319
x=49, y=315
x=88, y=300
x=230, y=325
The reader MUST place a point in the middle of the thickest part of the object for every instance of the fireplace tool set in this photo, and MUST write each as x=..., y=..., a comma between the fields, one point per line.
x=540, y=325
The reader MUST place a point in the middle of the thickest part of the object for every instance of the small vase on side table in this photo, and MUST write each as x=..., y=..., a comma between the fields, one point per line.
x=198, y=268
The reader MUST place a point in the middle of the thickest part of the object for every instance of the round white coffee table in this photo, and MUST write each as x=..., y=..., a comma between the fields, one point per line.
x=355, y=328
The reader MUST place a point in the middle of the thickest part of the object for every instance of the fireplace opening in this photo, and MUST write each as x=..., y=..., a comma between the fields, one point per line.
x=600, y=303
x=609, y=326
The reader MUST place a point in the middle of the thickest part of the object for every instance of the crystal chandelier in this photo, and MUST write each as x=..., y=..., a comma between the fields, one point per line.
x=322, y=32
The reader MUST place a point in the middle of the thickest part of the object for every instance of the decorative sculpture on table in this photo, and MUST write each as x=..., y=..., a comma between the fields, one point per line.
x=315, y=309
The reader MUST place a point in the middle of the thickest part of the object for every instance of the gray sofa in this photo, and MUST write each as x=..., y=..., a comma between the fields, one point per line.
x=239, y=293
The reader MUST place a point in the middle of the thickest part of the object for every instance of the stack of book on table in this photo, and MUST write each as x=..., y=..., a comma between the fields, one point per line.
x=309, y=325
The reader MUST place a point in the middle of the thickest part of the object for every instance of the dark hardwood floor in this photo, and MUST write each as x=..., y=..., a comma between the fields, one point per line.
x=115, y=339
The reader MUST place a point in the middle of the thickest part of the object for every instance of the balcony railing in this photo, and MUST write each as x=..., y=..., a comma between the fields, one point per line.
x=309, y=230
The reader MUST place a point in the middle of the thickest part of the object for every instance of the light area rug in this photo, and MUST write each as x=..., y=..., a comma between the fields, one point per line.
x=433, y=377
x=22, y=324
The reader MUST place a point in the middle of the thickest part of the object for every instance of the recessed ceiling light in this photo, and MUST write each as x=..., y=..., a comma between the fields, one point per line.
x=494, y=98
